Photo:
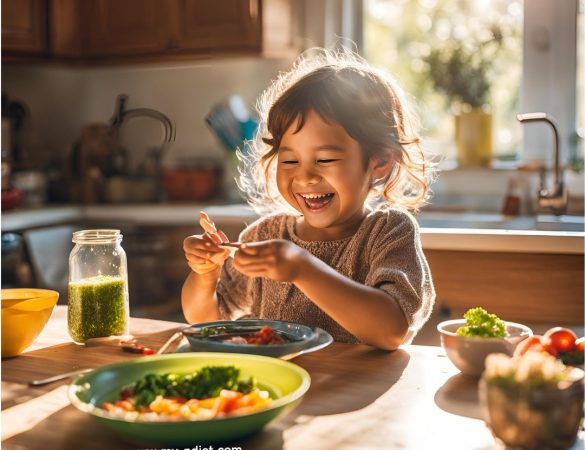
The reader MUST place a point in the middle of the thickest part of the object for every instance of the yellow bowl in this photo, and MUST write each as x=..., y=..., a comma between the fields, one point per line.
x=25, y=312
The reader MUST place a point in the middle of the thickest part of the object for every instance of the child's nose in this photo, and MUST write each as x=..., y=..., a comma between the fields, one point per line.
x=307, y=176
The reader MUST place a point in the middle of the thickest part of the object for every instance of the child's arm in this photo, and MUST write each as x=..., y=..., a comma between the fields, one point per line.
x=198, y=297
x=370, y=314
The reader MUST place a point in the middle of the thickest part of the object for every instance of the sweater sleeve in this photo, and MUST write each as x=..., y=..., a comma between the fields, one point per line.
x=398, y=266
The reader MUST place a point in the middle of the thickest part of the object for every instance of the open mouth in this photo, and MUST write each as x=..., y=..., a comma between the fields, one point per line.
x=316, y=202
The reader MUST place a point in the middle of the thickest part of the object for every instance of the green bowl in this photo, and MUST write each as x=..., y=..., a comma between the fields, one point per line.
x=286, y=382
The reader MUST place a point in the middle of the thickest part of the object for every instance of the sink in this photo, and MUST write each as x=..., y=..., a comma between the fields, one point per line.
x=500, y=222
x=560, y=223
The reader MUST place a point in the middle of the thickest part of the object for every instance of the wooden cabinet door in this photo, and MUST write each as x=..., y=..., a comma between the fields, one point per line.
x=24, y=26
x=218, y=25
x=127, y=27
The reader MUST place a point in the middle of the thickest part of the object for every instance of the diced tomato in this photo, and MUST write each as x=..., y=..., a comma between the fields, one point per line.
x=125, y=405
x=243, y=401
x=126, y=393
x=219, y=405
x=560, y=340
x=230, y=398
x=265, y=335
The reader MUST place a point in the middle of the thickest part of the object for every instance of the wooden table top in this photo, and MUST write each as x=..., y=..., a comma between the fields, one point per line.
x=360, y=398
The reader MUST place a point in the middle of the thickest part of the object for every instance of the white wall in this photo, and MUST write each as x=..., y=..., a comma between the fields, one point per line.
x=63, y=99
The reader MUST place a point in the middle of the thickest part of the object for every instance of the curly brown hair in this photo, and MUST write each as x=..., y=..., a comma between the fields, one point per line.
x=367, y=102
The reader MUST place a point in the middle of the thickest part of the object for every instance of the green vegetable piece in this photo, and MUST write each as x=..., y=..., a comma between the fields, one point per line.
x=212, y=331
x=205, y=383
x=480, y=323
x=245, y=387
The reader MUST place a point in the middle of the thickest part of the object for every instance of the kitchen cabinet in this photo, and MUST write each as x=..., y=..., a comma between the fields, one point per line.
x=109, y=30
x=24, y=27
x=211, y=25
x=113, y=28
x=171, y=27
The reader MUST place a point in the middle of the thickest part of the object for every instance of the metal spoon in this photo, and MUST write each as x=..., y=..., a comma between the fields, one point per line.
x=58, y=377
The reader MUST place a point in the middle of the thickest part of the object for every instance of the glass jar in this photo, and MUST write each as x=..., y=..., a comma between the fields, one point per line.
x=98, y=286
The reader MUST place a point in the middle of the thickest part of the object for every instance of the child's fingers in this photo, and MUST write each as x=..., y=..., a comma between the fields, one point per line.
x=205, y=252
x=249, y=260
x=252, y=270
x=214, y=238
x=220, y=257
x=191, y=258
x=203, y=269
x=200, y=241
x=251, y=248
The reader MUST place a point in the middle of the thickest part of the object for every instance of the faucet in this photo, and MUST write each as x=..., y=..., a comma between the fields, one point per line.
x=121, y=114
x=556, y=199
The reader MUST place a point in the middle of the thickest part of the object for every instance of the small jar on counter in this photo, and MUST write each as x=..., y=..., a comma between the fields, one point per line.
x=98, y=286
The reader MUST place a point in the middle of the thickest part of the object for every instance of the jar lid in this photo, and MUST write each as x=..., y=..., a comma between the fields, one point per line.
x=97, y=236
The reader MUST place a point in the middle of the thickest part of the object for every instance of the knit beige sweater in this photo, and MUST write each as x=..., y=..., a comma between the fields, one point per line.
x=385, y=253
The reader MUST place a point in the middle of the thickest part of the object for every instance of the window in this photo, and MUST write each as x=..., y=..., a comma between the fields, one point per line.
x=534, y=68
x=400, y=35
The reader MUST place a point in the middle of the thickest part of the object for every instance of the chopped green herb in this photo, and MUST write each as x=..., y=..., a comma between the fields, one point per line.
x=480, y=323
x=212, y=331
x=205, y=383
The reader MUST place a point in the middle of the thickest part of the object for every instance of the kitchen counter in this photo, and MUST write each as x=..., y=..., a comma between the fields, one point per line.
x=360, y=397
x=146, y=214
x=465, y=232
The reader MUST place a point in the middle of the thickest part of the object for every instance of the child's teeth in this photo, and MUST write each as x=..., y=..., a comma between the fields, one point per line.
x=317, y=201
x=314, y=195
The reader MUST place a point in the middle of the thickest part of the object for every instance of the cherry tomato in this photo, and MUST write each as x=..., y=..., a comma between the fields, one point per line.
x=560, y=339
x=580, y=344
x=533, y=344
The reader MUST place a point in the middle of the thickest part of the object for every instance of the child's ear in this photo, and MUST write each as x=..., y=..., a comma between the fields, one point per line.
x=380, y=167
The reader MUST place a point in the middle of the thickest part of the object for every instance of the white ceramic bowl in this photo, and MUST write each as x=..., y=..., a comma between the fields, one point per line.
x=468, y=353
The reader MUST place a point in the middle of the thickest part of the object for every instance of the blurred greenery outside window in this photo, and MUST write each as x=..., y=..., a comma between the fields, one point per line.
x=404, y=35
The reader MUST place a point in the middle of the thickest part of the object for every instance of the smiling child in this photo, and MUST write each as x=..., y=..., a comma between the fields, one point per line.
x=335, y=166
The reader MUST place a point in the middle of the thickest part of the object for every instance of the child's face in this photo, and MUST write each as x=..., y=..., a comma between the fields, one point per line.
x=321, y=173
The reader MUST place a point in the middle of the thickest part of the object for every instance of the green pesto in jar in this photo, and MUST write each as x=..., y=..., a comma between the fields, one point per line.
x=97, y=308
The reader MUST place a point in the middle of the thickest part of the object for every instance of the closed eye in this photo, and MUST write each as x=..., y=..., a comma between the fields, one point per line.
x=325, y=161
x=289, y=162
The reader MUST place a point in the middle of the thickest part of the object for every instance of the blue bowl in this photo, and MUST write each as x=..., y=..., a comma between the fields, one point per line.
x=300, y=338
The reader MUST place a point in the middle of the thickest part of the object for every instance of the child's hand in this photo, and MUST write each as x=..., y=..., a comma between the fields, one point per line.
x=277, y=259
x=203, y=255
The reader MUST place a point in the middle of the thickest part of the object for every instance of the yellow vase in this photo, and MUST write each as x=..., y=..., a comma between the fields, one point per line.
x=473, y=138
